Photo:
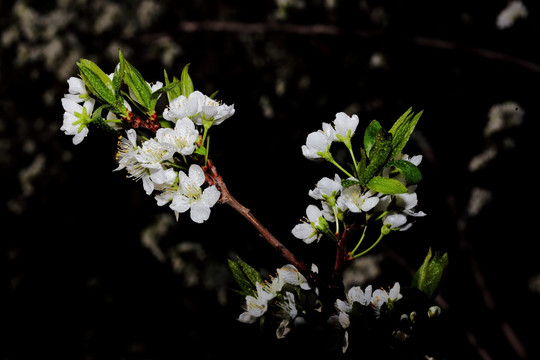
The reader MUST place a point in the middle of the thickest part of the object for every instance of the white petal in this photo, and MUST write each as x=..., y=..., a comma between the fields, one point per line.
x=199, y=212
x=370, y=203
x=196, y=174
x=71, y=106
x=79, y=136
x=313, y=213
x=180, y=203
x=76, y=86
x=406, y=201
x=89, y=105
x=148, y=185
x=304, y=232
x=210, y=196
x=395, y=220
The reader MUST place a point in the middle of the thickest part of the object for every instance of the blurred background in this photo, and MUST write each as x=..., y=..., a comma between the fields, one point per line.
x=92, y=268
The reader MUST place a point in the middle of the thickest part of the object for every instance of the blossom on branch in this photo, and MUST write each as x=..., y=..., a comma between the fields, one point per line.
x=190, y=195
x=76, y=118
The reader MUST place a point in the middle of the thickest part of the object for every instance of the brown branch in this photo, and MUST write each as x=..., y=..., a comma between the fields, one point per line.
x=332, y=30
x=213, y=178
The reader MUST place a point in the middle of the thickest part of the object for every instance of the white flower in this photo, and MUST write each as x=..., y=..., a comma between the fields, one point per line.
x=288, y=312
x=77, y=118
x=182, y=138
x=510, y=14
x=341, y=321
x=198, y=107
x=319, y=142
x=345, y=125
x=355, y=294
x=77, y=90
x=153, y=153
x=381, y=297
x=255, y=308
x=191, y=197
x=358, y=201
x=180, y=108
x=145, y=165
x=326, y=188
x=309, y=232
x=289, y=274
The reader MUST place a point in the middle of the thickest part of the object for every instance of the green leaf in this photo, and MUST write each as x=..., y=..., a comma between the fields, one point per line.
x=245, y=285
x=402, y=130
x=378, y=156
x=136, y=83
x=97, y=81
x=361, y=165
x=370, y=134
x=99, y=121
x=118, y=79
x=386, y=185
x=347, y=183
x=186, y=85
x=214, y=94
x=410, y=172
x=156, y=94
x=429, y=275
x=252, y=274
x=174, y=92
x=166, y=124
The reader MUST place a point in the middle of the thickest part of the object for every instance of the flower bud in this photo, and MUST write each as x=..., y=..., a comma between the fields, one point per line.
x=434, y=311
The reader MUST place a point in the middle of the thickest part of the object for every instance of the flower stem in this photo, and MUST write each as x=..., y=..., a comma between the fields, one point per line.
x=369, y=249
x=349, y=146
x=340, y=167
x=359, y=242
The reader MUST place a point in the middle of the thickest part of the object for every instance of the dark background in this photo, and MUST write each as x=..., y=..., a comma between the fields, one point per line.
x=79, y=280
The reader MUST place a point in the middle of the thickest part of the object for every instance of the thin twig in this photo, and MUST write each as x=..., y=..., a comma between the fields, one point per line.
x=213, y=178
x=333, y=30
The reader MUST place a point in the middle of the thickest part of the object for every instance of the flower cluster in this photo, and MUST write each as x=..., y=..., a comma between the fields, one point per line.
x=382, y=189
x=283, y=297
x=357, y=300
x=166, y=152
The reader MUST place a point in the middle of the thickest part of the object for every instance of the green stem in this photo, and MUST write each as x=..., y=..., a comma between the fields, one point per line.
x=369, y=249
x=359, y=241
x=207, y=151
x=349, y=146
x=331, y=159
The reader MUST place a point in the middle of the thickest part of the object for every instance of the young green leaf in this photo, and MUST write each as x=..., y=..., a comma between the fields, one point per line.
x=252, y=274
x=118, y=79
x=156, y=94
x=386, y=185
x=97, y=81
x=175, y=91
x=99, y=121
x=410, y=172
x=370, y=134
x=402, y=130
x=378, y=156
x=347, y=183
x=429, y=275
x=245, y=285
x=186, y=85
x=136, y=83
